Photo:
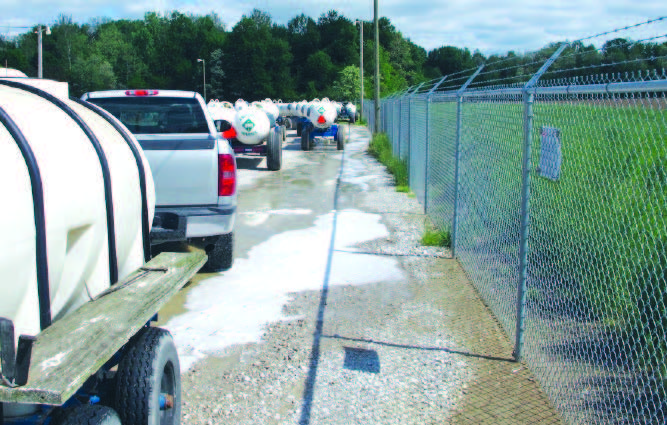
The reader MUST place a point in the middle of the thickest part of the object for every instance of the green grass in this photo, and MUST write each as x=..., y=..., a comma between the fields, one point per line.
x=380, y=148
x=437, y=238
x=598, y=236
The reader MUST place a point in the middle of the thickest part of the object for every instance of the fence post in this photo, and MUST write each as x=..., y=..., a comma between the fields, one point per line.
x=528, y=99
x=427, y=171
x=410, y=96
x=457, y=156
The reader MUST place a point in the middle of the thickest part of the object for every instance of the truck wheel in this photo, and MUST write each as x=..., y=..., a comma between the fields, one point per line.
x=353, y=118
x=274, y=150
x=90, y=415
x=148, y=381
x=283, y=132
x=299, y=128
x=340, y=139
x=288, y=123
x=305, y=140
x=220, y=253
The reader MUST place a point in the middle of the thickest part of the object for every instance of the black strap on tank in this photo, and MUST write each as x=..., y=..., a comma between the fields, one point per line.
x=111, y=228
x=43, y=291
x=145, y=228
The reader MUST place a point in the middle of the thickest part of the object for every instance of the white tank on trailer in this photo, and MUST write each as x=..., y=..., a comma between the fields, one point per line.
x=221, y=111
x=252, y=125
x=321, y=114
x=75, y=229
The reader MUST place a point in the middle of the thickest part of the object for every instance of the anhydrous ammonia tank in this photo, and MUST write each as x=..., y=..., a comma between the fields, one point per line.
x=252, y=125
x=321, y=114
x=221, y=111
x=77, y=203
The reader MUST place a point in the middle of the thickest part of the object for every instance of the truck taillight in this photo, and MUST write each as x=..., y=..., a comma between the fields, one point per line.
x=226, y=175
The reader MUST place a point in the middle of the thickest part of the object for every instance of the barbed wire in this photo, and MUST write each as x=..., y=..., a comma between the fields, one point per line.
x=650, y=21
x=602, y=65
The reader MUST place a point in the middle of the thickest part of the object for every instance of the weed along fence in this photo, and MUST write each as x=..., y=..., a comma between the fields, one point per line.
x=553, y=184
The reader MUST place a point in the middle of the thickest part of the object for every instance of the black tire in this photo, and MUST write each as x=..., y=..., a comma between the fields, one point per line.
x=340, y=139
x=288, y=123
x=283, y=132
x=90, y=415
x=353, y=118
x=148, y=371
x=305, y=140
x=274, y=150
x=220, y=251
x=299, y=128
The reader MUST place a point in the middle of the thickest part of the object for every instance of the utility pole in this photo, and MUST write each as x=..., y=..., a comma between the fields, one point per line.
x=361, y=67
x=377, y=67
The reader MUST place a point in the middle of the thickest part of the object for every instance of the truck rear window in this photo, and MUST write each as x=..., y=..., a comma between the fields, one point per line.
x=156, y=115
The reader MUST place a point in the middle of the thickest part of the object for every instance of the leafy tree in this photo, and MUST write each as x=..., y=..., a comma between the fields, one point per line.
x=217, y=75
x=346, y=87
x=258, y=65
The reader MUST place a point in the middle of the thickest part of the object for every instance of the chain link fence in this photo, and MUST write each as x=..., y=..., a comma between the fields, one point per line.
x=555, y=194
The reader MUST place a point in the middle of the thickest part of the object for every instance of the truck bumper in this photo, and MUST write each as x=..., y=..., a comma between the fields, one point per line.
x=181, y=224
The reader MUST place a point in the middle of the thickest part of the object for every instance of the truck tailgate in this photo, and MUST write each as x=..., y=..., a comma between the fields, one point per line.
x=184, y=166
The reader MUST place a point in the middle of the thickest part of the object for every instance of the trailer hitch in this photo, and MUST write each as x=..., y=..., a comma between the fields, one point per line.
x=15, y=363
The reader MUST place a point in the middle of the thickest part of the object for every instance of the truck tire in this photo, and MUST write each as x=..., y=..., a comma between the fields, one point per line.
x=148, y=372
x=305, y=140
x=220, y=253
x=299, y=128
x=340, y=139
x=90, y=415
x=274, y=150
x=283, y=132
x=353, y=119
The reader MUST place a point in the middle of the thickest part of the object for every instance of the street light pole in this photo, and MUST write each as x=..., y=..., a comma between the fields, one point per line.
x=39, y=48
x=203, y=66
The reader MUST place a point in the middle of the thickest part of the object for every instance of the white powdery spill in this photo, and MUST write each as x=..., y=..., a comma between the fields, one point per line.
x=355, y=170
x=232, y=308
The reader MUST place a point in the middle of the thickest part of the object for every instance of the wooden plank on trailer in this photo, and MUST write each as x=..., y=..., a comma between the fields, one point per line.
x=75, y=347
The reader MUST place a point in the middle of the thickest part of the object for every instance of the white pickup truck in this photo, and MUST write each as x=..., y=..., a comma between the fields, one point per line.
x=194, y=168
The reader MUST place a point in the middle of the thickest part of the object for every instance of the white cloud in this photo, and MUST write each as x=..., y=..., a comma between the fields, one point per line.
x=487, y=25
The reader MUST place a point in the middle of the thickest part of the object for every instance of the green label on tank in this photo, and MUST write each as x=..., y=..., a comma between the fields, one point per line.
x=248, y=124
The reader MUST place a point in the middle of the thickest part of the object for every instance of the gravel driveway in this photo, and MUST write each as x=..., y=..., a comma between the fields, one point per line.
x=334, y=314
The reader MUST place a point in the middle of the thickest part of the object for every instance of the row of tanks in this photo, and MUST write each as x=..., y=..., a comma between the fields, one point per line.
x=260, y=127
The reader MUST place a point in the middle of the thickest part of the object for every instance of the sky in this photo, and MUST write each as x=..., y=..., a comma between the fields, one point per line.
x=491, y=26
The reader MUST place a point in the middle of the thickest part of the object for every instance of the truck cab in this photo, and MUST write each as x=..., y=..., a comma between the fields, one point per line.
x=194, y=168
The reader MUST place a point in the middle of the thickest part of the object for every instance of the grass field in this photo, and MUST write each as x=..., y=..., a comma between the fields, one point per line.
x=598, y=235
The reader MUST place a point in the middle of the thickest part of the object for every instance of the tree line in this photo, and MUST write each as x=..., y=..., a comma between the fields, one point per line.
x=259, y=58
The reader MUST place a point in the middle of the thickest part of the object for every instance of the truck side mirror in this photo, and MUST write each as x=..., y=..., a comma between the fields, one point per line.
x=222, y=125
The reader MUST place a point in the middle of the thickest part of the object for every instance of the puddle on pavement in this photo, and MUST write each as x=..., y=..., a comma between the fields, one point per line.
x=277, y=202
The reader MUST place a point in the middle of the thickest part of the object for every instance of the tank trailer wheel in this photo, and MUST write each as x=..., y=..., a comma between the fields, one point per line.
x=299, y=128
x=306, y=144
x=148, y=381
x=340, y=139
x=90, y=415
x=274, y=150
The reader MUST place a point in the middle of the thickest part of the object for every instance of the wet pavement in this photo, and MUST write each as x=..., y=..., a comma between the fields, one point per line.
x=333, y=312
